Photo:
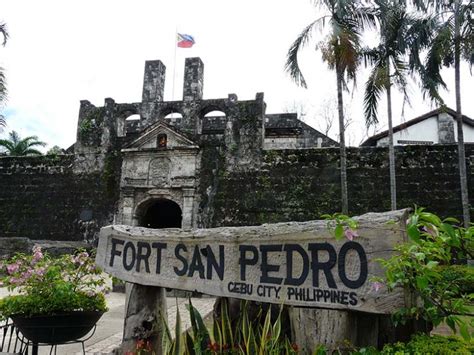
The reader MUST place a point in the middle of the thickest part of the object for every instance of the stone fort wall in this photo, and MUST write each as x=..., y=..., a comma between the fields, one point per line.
x=45, y=198
x=41, y=198
x=299, y=185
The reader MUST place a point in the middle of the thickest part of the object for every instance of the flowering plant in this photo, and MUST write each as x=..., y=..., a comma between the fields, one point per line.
x=45, y=285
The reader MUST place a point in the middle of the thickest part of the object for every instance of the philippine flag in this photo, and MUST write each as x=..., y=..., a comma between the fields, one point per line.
x=185, y=41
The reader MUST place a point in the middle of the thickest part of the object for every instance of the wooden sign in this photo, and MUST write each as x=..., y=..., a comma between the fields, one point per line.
x=294, y=263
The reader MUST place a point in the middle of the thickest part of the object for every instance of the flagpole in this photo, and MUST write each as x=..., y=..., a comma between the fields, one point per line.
x=174, y=61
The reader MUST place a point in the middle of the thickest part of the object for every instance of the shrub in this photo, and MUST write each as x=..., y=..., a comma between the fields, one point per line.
x=47, y=285
x=424, y=344
x=248, y=336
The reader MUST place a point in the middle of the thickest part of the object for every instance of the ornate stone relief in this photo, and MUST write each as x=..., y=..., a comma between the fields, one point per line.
x=159, y=171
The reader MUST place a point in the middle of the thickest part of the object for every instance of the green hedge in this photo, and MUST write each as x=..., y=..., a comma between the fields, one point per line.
x=436, y=344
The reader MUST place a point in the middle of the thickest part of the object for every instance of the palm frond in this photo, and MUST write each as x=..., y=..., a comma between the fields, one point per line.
x=6, y=144
x=440, y=53
x=366, y=16
x=370, y=56
x=17, y=147
x=4, y=32
x=419, y=36
x=466, y=14
x=3, y=87
x=399, y=78
x=291, y=65
x=32, y=141
x=373, y=89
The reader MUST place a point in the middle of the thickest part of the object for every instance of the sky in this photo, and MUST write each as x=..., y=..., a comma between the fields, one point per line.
x=61, y=52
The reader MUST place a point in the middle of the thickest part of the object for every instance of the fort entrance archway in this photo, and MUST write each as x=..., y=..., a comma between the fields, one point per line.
x=161, y=213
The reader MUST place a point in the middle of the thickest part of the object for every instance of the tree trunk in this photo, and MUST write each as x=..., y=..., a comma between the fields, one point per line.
x=342, y=142
x=391, y=149
x=461, y=152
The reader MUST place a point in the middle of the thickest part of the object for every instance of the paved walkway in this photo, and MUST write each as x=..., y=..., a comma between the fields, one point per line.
x=109, y=330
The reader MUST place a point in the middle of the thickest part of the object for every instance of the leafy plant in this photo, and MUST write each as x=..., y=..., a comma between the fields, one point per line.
x=425, y=344
x=246, y=336
x=17, y=146
x=341, y=225
x=426, y=267
x=47, y=285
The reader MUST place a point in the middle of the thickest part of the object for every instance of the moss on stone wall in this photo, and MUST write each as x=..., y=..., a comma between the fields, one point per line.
x=304, y=184
x=41, y=198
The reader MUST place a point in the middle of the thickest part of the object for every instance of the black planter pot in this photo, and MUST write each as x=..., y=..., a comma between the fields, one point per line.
x=58, y=328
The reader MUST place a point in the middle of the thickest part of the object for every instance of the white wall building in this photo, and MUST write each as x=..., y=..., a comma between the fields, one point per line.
x=435, y=127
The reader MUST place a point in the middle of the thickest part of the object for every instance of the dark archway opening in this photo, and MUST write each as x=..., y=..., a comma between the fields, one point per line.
x=162, y=214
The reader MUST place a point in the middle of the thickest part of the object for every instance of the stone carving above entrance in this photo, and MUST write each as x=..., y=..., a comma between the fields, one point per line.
x=159, y=171
x=162, y=136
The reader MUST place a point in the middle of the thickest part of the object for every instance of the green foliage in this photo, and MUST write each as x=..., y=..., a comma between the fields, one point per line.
x=85, y=127
x=55, y=150
x=425, y=266
x=246, y=336
x=17, y=146
x=47, y=285
x=89, y=128
x=341, y=225
x=424, y=344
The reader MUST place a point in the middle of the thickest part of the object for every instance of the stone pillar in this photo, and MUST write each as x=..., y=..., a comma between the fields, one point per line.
x=153, y=89
x=127, y=205
x=145, y=311
x=153, y=81
x=109, y=132
x=188, y=202
x=193, y=79
x=445, y=128
x=244, y=132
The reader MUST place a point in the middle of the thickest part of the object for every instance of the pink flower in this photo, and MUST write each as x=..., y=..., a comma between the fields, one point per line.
x=27, y=274
x=81, y=258
x=40, y=271
x=377, y=286
x=12, y=268
x=350, y=234
x=37, y=254
x=16, y=281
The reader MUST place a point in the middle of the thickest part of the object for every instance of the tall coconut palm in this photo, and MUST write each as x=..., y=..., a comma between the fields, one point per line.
x=400, y=34
x=453, y=41
x=3, y=88
x=346, y=20
x=16, y=146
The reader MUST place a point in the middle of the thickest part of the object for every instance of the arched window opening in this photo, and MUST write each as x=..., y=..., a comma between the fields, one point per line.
x=162, y=213
x=215, y=113
x=133, y=117
x=213, y=122
x=173, y=116
x=132, y=123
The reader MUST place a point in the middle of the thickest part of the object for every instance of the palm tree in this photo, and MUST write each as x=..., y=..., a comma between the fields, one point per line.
x=346, y=20
x=453, y=41
x=400, y=34
x=17, y=147
x=3, y=88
